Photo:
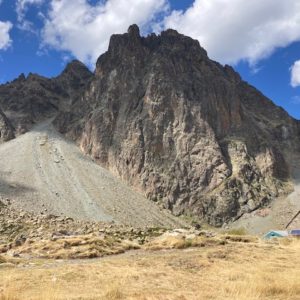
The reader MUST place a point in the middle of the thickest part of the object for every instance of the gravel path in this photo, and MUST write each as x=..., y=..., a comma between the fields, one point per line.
x=42, y=172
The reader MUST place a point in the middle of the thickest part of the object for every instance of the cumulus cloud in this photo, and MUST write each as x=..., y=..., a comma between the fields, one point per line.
x=84, y=29
x=21, y=9
x=5, y=40
x=295, y=74
x=234, y=30
x=230, y=30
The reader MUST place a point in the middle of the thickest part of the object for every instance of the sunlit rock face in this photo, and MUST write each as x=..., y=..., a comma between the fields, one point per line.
x=182, y=129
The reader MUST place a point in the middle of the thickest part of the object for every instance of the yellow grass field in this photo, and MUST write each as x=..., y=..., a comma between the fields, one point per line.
x=232, y=271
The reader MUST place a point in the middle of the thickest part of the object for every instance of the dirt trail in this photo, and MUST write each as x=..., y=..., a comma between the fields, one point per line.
x=282, y=210
x=41, y=171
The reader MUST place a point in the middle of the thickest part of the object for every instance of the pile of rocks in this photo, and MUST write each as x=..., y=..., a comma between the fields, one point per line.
x=25, y=235
x=18, y=226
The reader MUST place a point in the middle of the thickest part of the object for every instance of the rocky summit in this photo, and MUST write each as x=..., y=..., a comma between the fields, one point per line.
x=27, y=101
x=180, y=128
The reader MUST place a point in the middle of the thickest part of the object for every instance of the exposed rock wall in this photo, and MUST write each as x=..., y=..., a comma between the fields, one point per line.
x=26, y=101
x=6, y=129
x=181, y=128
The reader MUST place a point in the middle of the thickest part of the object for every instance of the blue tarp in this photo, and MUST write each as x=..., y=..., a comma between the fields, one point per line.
x=275, y=234
x=295, y=232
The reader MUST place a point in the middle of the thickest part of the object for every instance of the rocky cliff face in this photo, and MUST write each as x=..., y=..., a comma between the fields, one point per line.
x=26, y=101
x=179, y=127
x=6, y=129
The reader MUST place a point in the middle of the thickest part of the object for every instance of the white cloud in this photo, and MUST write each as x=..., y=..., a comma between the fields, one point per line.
x=84, y=29
x=21, y=9
x=22, y=6
x=5, y=40
x=295, y=74
x=234, y=30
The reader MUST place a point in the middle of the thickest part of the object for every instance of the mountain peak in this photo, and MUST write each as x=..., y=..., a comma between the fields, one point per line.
x=170, y=32
x=75, y=66
x=134, y=30
x=181, y=128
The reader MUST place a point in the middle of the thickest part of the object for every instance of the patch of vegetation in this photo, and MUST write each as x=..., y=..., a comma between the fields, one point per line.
x=241, y=271
x=237, y=231
x=2, y=260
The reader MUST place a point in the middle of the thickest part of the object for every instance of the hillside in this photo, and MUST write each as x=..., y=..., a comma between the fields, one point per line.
x=44, y=173
x=163, y=119
x=184, y=130
x=280, y=212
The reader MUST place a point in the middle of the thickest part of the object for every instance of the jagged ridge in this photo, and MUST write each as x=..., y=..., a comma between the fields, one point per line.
x=26, y=101
x=179, y=127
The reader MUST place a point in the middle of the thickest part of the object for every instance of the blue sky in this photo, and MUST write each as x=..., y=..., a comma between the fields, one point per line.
x=261, y=39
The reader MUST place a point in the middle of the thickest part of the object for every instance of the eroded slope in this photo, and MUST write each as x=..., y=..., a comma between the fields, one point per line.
x=42, y=172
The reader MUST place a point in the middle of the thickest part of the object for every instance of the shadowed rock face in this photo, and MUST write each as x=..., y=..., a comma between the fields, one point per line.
x=6, y=129
x=26, y=101
x=179, y=127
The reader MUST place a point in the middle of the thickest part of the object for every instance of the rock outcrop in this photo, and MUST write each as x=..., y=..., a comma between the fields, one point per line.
x=26, y=101
x=184, y=130
x=6, y=129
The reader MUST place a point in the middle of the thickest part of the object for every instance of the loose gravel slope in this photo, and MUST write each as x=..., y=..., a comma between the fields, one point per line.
x=42, y=172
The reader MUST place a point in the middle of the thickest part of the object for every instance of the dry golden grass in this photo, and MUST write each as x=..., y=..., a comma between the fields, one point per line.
x=237, y=231
x=175, y=242
x=233, y=270
x=77, y=247
x=181, y=242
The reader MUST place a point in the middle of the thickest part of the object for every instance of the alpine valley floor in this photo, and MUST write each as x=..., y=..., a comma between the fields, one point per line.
x=240, y=269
